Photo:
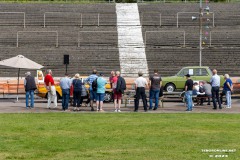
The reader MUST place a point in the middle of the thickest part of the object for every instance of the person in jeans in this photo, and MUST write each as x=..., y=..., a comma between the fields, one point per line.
x=155, y=85
x=65, y=84
x=30, y=86
x=215, y=81
x=101, y=82
x=77, y=91
x=189, y=92
x=228, y=88
x=52, y=95
x=90, y=80
x=140, y=85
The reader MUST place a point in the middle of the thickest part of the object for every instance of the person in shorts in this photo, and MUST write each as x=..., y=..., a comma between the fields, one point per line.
x=101, y=82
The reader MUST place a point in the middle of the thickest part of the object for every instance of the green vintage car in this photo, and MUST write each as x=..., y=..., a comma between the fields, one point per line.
x=197, y=73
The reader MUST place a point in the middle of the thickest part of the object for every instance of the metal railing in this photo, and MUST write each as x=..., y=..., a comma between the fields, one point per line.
x=37, y=32
x=184, y=39
x=160, y=17
x=24, y=16
x=93, y=32
x=213, y=16
x=45, y=13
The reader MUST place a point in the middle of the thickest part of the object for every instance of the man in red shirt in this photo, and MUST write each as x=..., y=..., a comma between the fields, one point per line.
x=52, y=95
x=116, y=95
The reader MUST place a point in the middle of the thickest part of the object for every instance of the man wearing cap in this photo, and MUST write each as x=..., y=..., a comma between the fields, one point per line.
x=30, y=86
x=140, y=85
x=215, y=82
x=65, y=84
x=188, y=92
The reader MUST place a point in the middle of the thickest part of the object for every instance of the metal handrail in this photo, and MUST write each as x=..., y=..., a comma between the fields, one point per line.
x=184, y=39
x=24, y=16
x=213, y=16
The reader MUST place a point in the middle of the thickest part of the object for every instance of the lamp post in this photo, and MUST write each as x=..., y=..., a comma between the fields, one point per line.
x=200, y=33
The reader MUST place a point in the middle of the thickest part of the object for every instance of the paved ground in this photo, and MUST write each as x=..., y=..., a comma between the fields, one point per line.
x=11, y=106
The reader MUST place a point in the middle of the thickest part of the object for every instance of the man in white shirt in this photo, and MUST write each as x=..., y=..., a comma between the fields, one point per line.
x=215, y=82
x=140, y=85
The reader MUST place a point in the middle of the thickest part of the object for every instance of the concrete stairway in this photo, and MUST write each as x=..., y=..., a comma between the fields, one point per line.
x=130, y=41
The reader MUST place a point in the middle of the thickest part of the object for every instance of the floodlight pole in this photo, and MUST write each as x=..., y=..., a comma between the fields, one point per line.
x=200, y=33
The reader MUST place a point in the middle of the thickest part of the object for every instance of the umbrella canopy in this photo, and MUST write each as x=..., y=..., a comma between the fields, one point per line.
x=20, y=62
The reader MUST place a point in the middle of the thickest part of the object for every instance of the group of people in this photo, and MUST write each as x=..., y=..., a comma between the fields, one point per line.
x=96, y=90
x=208, y=89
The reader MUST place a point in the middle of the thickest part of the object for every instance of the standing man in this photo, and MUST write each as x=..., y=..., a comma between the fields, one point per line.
x=188, y=92
x=215, y=82
x=30, y=86
x=101, y=82
x=90, y=80
x=111, y=78
x=155, y=85
x=140, y=85
x=228, y=87
x=52, y=95
x=120, y=86
x=65, y=85
x=207, y=89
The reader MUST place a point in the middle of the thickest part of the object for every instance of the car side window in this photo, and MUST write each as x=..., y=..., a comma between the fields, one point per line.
x=184, y=72
x=200, y=72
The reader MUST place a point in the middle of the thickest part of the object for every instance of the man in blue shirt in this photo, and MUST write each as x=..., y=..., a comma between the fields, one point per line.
x=215, y=82
x=228, y=89
x=101, y=82
x=90, y=80
x=65, y=84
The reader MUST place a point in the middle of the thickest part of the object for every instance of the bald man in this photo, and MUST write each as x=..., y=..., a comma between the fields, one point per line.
x=215, y=82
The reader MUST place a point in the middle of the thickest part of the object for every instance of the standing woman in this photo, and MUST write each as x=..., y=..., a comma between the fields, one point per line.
x=228, y=87
x=77, y=90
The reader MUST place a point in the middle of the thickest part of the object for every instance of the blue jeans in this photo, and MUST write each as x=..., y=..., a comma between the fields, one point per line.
x=100, y=97
x=188, y=95
x=154, y=94
x=65, y=98
x=31, y=94
x=228, y=98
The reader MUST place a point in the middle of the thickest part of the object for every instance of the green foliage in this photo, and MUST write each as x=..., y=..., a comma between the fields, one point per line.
x=69, y=136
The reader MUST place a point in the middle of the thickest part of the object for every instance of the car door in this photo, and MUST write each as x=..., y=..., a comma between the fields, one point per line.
x=181, y=79
x=201, y=74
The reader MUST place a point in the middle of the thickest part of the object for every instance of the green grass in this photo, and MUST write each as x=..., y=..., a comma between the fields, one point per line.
x=69, y=136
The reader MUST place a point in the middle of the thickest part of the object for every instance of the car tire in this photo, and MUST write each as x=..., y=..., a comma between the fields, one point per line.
x=108, y=97
x=170, y=87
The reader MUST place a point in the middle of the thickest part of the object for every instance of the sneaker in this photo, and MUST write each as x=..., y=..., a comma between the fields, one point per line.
x=154, y=108
x=101, y=110
x=135, y=110
x=119, y=110
x=92, y=109
x=116, y=110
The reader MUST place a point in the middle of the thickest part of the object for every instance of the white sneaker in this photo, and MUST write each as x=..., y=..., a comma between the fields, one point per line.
x=116, y=110
x=119, y=110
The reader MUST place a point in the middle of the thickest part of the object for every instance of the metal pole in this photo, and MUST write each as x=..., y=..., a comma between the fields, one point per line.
x=57, y=39
x=24, y=20
x=160, y=19
x=200, y=34
x=44, y=16
x=210, y=41
x=17, y=39
x=18, y=82
x=81, y=19
x=177, y=20
x=184, y=43
x=98, y=19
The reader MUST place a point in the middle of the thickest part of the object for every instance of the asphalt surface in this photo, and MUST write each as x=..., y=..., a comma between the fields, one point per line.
x=13, y=106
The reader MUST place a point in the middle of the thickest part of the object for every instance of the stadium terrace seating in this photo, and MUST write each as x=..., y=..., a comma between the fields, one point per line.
x=99, y=48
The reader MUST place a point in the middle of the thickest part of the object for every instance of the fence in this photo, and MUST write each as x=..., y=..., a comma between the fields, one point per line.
x=225, y=36
x=165, y=32
x=194, y=13
x=24, y=17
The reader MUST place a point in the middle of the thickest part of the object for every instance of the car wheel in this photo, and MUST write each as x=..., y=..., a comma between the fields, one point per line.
x=170, y=87
x=108, y=97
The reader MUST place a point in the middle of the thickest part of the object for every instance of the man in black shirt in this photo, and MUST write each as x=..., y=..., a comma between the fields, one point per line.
x=188, y=92
x=155, y=85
